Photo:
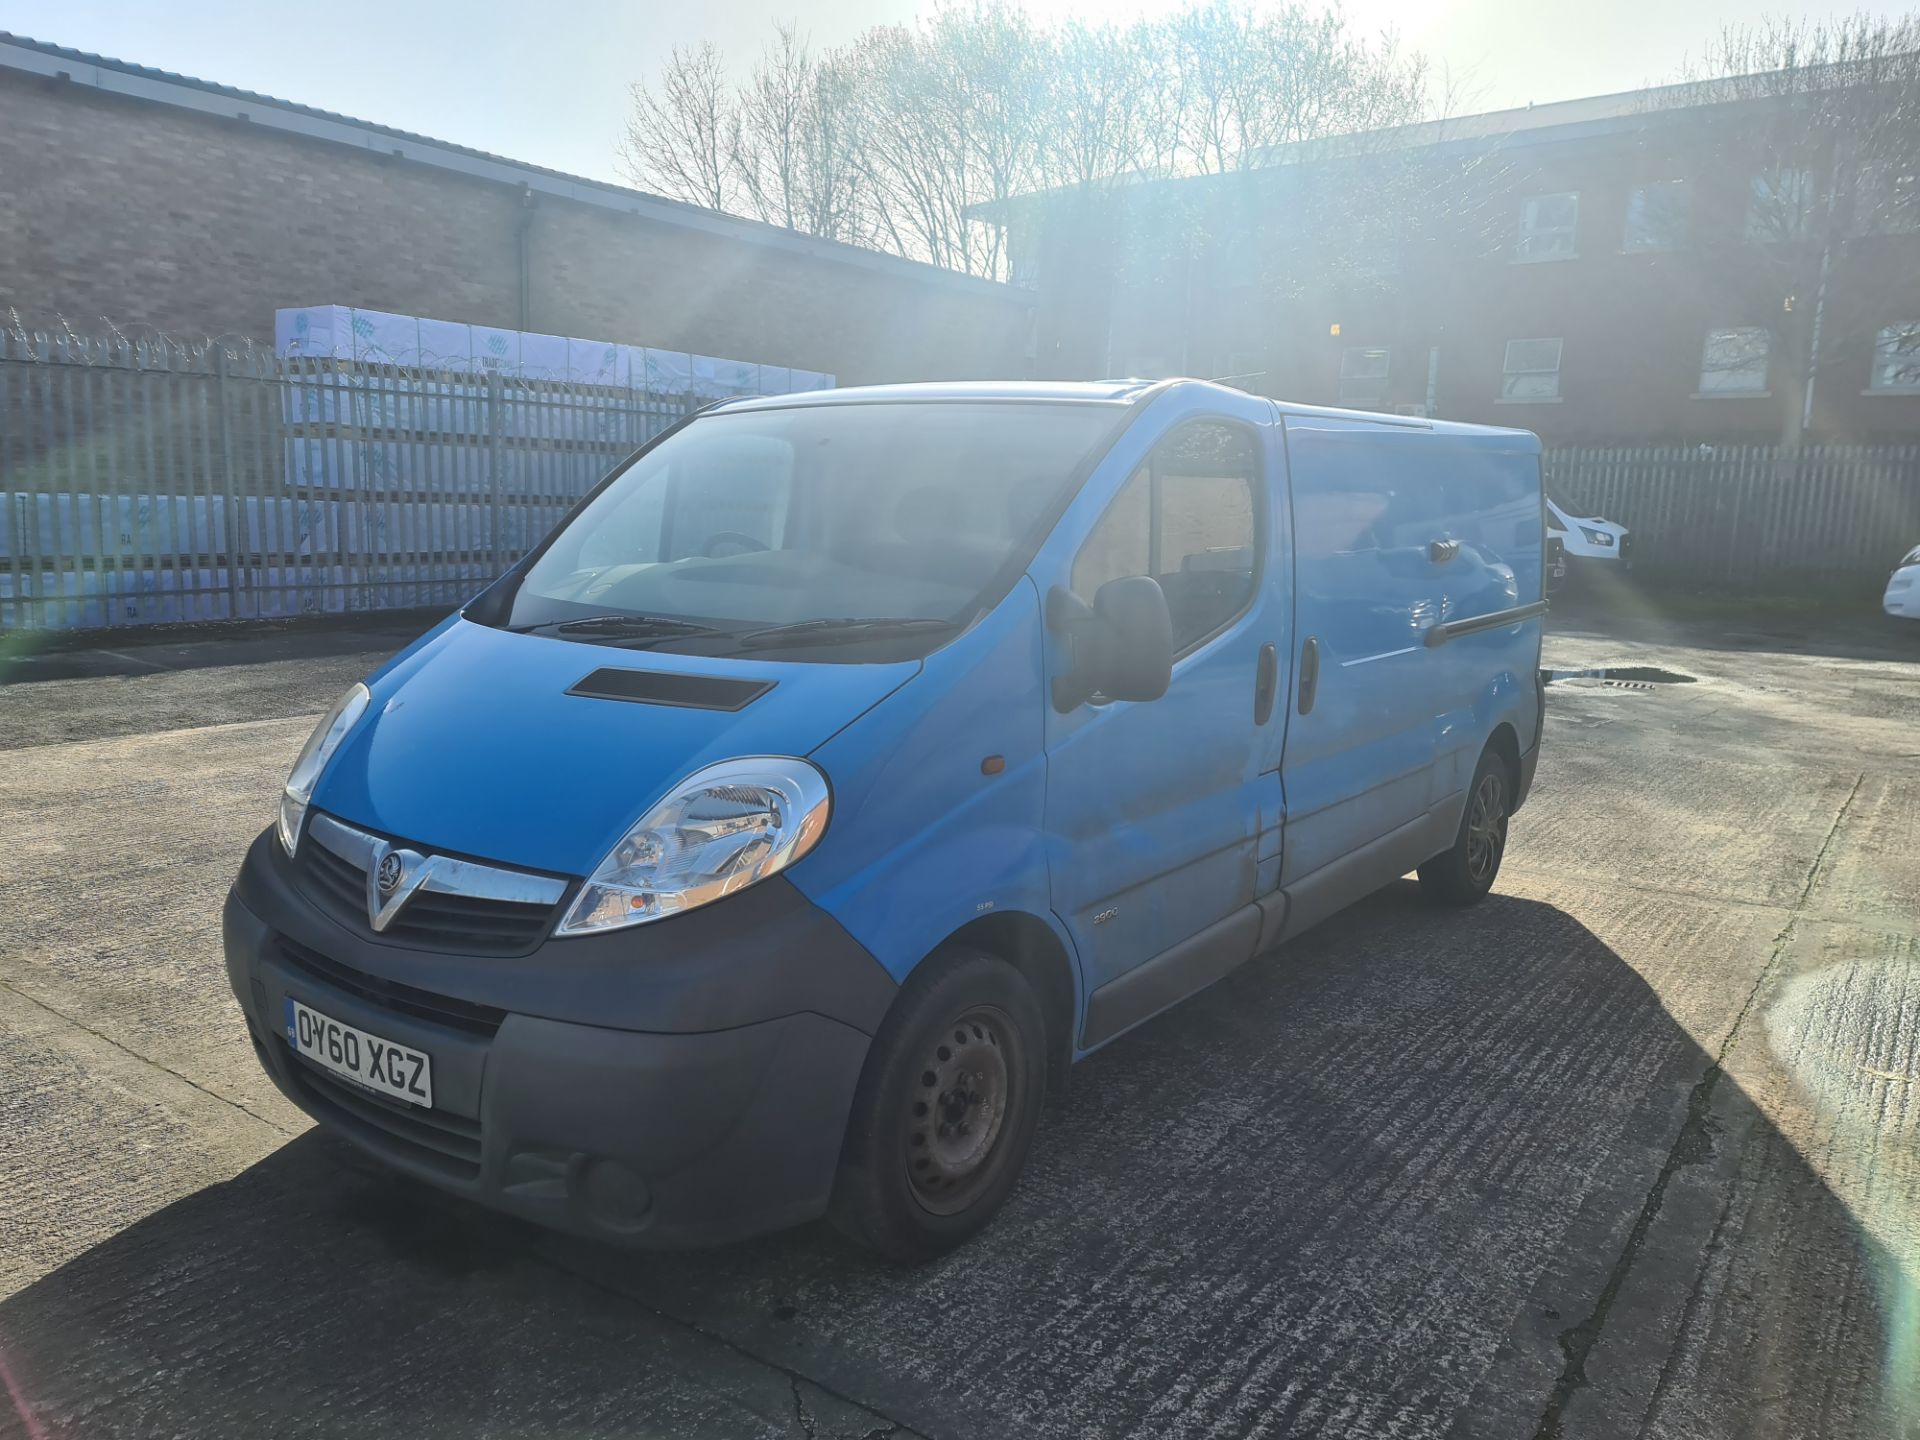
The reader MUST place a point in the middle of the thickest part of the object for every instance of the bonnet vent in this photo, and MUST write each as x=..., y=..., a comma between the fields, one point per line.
x=657, y=687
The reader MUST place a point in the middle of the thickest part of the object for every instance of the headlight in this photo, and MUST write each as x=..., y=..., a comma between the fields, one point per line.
x=719, y=831
x=1597, y=537
x=326, y=738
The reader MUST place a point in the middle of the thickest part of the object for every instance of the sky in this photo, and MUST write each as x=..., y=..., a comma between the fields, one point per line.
x=548, y=83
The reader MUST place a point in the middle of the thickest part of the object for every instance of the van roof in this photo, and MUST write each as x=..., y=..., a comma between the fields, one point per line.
x=1108, y=392
x=1086, y=392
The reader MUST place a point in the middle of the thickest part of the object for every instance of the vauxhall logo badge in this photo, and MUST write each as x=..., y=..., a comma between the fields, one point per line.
x=389, y=875
x=395, y=875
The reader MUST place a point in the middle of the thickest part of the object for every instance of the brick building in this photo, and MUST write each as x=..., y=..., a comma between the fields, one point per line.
x=1615, y=269
x=153, y=200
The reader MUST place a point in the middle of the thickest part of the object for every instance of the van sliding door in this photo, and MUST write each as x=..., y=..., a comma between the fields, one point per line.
x=1361, y=744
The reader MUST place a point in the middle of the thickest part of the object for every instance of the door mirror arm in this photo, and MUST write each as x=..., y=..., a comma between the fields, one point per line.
x=1075, y=622
x=1119, y=648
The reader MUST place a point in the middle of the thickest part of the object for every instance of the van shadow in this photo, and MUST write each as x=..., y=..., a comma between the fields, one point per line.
x=1366, y=1186
x=137, y=650
x=318, y=1294
x=1841, y=626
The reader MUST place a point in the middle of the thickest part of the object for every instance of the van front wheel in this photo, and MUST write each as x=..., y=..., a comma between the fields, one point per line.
x=945, y=1110
x=1462, y=874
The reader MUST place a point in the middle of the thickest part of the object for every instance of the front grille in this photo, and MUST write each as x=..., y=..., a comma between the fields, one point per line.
x=470, y=924
x=430, y=919
x=1626, y=545
x=336, y=882
x=462, y=1015
x=444, y=1142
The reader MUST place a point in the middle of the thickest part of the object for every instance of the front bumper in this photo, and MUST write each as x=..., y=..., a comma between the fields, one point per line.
x=1903, y=594
x=720, y=1121
x=1618, y=557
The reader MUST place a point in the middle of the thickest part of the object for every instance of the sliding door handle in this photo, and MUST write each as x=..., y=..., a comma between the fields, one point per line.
x=1265, y=679
x=1309, y=673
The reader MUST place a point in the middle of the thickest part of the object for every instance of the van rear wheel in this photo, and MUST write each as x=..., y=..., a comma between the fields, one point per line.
x=1463, y=873
x=945, y=1109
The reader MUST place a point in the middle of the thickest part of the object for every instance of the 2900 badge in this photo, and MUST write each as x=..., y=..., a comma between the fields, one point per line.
x=383, y=1066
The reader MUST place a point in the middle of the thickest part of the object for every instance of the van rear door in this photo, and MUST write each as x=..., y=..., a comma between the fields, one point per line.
x=1491, y=520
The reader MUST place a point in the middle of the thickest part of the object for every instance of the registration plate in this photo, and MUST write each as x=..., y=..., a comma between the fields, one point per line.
x=382, y=1066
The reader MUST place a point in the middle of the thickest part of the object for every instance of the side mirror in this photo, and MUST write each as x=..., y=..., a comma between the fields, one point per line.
x=1122, y=643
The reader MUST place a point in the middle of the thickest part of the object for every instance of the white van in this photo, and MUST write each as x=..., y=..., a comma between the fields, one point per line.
x=1589, y=538
x=1902, y=599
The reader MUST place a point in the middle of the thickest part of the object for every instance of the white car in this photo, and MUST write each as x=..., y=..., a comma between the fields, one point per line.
x=1590, y=538
x=1903, y=588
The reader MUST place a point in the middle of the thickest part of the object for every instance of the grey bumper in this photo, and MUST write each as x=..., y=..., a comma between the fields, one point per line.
x=640, y=1138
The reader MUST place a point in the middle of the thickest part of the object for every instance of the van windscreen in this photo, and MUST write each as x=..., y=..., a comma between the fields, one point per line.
x=825, y=526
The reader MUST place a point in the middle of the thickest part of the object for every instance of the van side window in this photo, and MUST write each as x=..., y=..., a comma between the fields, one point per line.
x=1187, y=518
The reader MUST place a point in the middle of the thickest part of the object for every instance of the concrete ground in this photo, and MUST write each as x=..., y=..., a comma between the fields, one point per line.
x=1630, y=1149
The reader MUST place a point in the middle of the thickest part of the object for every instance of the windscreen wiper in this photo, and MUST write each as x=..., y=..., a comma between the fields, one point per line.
x=628, y=624
x=827, y=631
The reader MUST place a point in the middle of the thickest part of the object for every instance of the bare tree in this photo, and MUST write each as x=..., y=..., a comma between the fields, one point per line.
x=770, y=131
x=1815, y=130
x=1003, y=65
x=950, y=118
x=916, y=138
x=681, y=136
x=836, y=199
x=1255, y=80
x=792, y=143
x=915, y=156
x=1105, y=115
x=1295, y=121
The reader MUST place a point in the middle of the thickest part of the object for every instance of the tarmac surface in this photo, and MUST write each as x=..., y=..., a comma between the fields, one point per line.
x=1632, y=1148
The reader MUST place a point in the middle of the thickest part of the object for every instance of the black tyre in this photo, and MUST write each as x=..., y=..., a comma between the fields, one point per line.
x=945, y=1110
x=1463, y=873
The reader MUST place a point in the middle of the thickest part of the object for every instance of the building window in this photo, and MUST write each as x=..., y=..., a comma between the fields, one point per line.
x=1532, y=370
x=1658, y=216
x=1896, y=360
x=1779, y=205
x=1363, y=375
x=1373, y=251
x=1236, y=259
x=1547, y=225
x=1886, y=199
x=1734, y=362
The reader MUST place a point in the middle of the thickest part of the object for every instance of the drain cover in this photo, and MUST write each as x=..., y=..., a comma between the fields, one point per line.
x=1622, y=677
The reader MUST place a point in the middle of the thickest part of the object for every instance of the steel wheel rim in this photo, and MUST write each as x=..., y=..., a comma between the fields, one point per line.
x=1486, y=827
x=957, y=1113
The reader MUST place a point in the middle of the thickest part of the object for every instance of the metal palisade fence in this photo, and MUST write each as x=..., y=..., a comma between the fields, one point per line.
x=1750, y=515
x=145, y=482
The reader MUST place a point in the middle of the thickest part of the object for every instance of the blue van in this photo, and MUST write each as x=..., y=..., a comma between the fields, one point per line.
x=766, y=843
